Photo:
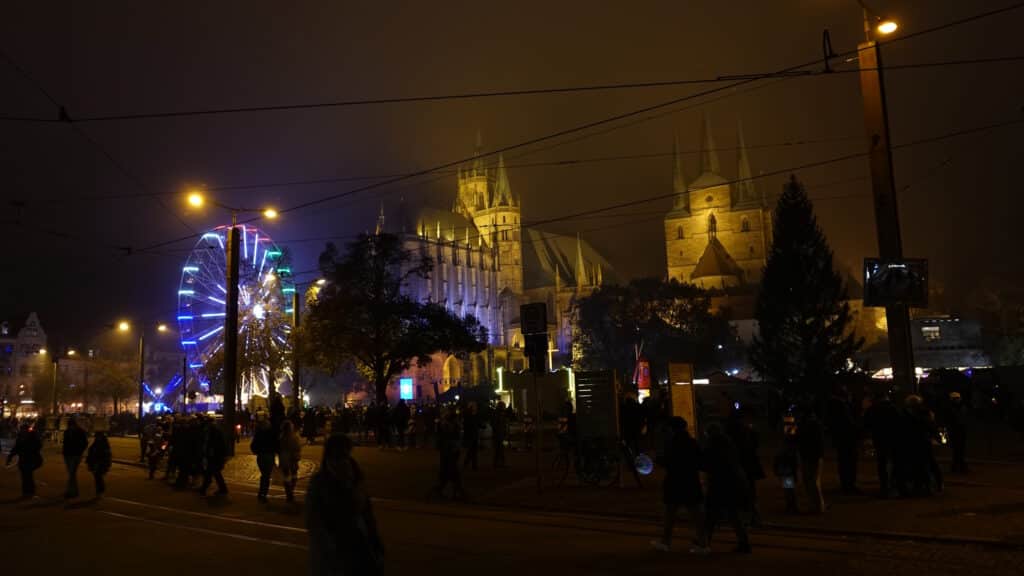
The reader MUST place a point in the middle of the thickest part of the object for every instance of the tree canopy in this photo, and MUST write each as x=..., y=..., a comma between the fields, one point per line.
x=364, y=315
x=805, y=335
x=662, y=320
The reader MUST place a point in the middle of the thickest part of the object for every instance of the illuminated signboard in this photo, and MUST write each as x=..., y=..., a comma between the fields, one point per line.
x=405, y=388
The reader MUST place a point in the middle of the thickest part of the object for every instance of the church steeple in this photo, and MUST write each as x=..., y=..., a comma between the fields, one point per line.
x=682, y=201
x=478, y=161
x=502, y=190
x=745, y=192
x=708, y=154
x=380, y=220
x=581, y=268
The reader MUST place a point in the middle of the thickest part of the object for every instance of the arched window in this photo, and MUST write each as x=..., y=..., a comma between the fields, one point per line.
x=712, y=225
x=679, y=233
x=745, y=224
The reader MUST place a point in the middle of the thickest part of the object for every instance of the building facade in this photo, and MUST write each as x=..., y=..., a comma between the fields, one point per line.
x=718, y=231
x=20, y=360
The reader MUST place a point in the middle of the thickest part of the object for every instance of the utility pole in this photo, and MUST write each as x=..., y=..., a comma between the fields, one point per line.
x=296, y=366
x=231, y=338
x=887, y=224
x=54, y=387
x=184, y=384
x=142, y=377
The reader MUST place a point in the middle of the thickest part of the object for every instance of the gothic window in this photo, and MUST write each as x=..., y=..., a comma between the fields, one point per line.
x=712, y=225
x=745, y=225
x=679, y=233
x=503, y=220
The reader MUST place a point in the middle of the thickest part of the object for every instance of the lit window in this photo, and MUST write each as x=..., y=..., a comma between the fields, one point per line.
x=745, y=225
x=931, y=333
x=679, y=233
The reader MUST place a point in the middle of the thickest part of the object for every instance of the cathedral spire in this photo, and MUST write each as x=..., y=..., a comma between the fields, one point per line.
x=479, y=168
x=581, y=269
x=380, y=220
x=679, y=178
x=708, y=154
x=503, y=191
x=745, y=187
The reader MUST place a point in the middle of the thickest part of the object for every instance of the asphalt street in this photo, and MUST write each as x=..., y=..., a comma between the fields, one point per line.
x=145, y=527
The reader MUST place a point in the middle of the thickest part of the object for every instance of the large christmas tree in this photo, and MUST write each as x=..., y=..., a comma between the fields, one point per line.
x=805, y=337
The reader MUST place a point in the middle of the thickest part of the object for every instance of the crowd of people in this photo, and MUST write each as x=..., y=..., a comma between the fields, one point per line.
x=28, y=450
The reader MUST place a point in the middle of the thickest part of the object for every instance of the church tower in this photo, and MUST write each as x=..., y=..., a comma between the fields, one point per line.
x=716, y=231
x=486, y=198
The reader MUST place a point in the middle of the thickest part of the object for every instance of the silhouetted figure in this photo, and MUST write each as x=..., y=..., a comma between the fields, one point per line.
x=288, y=456
x=75, y=443
x=743, y=435
x=28, y=447
x=956, y=430
x=681, y=488
x=264, y=446
x=883, y=421
x=343, y=536
x=213, y=450
x=499, y=427
x=728, y=490
x=471, y=434
x=98, y=461
x=845, y=439
x=787, y=462
x=400, y=416
x=811, y=445
x=448, y=435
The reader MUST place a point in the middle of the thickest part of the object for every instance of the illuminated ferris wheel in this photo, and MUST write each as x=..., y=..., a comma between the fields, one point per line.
x=264, y=308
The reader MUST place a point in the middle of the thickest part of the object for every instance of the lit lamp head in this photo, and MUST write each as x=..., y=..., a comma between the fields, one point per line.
x=161, y=327
x=42, y=352
x=123, y=326
x=270, y=214
x=886, y=26
x=196, y=200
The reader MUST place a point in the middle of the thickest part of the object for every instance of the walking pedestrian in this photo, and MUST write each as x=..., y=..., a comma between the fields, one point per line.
x=471, y=434
x=28, y=447
x=309, y=425
x=400, y=416
x=499, y=425
x=743, y=435
x=289, y=454
x=882, y=419
x=811, y=446
x=681, y=488
x=75, y=443
x=728, y=490
x=213, y=448
x=448, y=450
x=343, y=537
x=98, y=461
x=842, y=425
x=786, y=463
x=956, y=430
x=264, y=446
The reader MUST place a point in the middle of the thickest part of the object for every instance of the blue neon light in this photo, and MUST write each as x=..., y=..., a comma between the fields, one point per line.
x=188, y=342
x=288, y=290
x=190, y=269
x=186, y=292
x=195, y=365
x=184, y=317
x=215, y=315
x=210, y=333
x=217, y=300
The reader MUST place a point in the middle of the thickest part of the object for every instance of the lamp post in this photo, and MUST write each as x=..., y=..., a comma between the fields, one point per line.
x=197, y=200
x=124, y=326
x=883, y=185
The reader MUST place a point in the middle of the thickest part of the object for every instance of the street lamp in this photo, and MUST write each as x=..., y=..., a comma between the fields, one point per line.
x=883, y=186
x=197, y=199
x=125, y=326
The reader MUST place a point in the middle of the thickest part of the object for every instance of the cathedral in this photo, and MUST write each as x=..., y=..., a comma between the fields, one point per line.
x=718, y=231
x=486, y=263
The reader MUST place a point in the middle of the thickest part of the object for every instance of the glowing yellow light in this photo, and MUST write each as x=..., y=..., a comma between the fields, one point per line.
x=270, y=214
x=887, y=27
x=123, y=326
x=42, y=351
x=161, y=327
x=71, y=352
x=196, y=199
x=321, y=282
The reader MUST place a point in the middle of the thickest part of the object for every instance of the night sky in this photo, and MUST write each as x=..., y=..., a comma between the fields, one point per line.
x=960, y=198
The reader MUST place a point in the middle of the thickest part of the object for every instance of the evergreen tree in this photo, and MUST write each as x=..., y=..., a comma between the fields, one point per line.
x=805, y=334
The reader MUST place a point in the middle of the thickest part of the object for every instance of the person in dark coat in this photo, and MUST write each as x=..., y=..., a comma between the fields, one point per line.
x=471, y=434
x=264, y=446
x=842, y=424
x=400, y=416
x=499, y=426
x=882, y=420
x=728, y=488
x=28, y=447
x=98, y=461
x=681, y=488
x=448, y=447
x=811, y=445
x=956, y=429
x=214, y=450
x=75, y=442
x=740, y=429
x=787, y=462
x=343, y=537
x=309, y=426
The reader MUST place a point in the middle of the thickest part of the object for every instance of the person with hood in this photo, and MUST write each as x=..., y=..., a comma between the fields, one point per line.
x=956, y=428
x=740, y=429
x=98, y=461
x=264, y=446
x=728, y=491
x=75, y=442
x=400, y=416
x=288, y=456
x=28, y=448
x=343, y=537
x=681, y=488
x=811, y=446
x=882, y=420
